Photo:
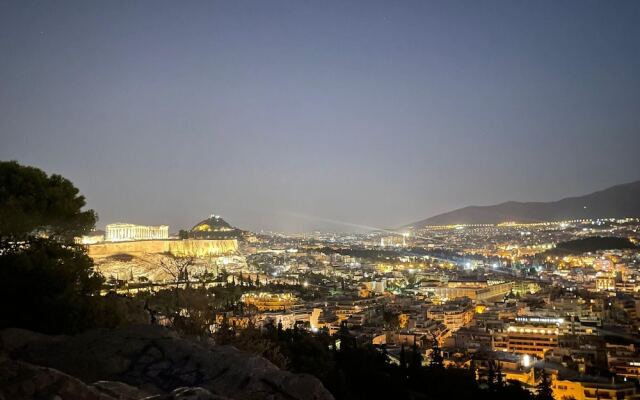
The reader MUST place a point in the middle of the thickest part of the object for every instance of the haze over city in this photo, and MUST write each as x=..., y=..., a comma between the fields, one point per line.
x=319, y=200
x=286, y=115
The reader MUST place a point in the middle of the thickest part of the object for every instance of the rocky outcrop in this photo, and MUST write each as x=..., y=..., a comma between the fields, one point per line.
x=158, y=361
x=20, y=380
x=148, y=267
x=180, y=248
x=24, y=381
x=119, y=390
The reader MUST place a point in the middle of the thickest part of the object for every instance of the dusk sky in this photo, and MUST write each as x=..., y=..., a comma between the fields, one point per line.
x=367, y=112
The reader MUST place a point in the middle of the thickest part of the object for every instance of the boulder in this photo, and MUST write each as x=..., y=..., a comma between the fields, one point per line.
x=157, y=360
x=119, y=390
x=23, y=381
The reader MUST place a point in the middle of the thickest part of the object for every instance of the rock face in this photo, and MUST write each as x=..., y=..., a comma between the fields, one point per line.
x=119, y=390
x=24, y=381
x=188, y=247
x=19, y=380
x=156, y=360
x=147, y=266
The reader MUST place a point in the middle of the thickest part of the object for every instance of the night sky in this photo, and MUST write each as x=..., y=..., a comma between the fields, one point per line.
x=372, y=113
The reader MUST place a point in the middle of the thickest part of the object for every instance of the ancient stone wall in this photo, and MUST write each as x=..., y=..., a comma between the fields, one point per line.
x=187, y=247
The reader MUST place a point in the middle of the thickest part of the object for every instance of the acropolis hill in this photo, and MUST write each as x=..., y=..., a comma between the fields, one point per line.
x=137, y=260
x=187, y=247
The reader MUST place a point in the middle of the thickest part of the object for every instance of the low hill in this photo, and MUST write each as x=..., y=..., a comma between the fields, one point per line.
x=615, y=202
x=590, y=244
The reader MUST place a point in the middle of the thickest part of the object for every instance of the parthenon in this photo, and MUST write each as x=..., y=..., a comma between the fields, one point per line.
x=124, y=232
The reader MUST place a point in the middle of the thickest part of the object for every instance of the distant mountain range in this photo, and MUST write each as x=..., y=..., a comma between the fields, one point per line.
x=614, y=202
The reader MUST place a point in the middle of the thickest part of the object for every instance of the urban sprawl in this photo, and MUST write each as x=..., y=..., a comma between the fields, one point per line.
x=512, y=298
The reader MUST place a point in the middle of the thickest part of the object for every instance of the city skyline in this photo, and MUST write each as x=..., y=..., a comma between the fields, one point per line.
x=319, y=200
x=287, y=116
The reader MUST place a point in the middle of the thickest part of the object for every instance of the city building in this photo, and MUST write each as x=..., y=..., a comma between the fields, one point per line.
x=533, y=336
x=269, y=301
x=454, y=315
x=591, y=388
x=474, y=290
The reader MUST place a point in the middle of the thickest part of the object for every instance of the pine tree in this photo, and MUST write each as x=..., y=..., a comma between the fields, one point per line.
x=347, y=340
x=403, y=358
x=499, y=380
x=416, y=360
x=491, y=375
x=436, y=356
x=545, y=392
x=223, y=333
x=416, y=356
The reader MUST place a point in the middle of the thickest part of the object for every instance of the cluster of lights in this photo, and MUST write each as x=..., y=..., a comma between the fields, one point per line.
x=634, y=363
x=562, y=224
x=541, y=320
x=266, y=295
x=534, y=330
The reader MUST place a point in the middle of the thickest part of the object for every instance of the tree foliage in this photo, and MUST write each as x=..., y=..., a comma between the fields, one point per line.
x=47, y=283
x=545, y=391
x=589, y=244
x=354, y=370
x=33, y=203
x=46, y=288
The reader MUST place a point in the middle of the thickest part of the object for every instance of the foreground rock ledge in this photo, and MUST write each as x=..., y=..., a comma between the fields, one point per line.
x=151, y=360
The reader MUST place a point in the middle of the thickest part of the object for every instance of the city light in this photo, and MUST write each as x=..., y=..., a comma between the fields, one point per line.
x=413, y=200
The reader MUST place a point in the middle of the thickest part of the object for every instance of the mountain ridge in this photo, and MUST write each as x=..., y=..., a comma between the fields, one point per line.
x=614, y=202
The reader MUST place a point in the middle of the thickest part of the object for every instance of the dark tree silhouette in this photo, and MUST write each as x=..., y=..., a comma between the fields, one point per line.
x=545, y=392
x=403, y=358
x=437, y=361
x=391, y=319
x=47, y=282
x=33, y=204
x=415, y=362
x=358, y=371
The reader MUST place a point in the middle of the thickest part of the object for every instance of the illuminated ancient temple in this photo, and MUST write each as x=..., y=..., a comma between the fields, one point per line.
x=127, y=232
